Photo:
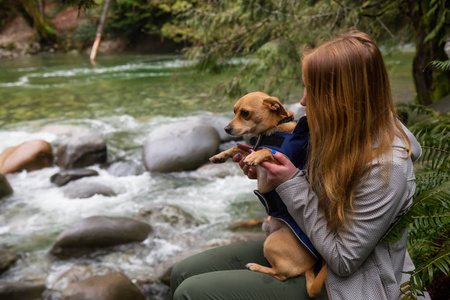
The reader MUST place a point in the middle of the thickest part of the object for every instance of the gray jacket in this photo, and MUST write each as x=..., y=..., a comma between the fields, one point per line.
x=359, y=266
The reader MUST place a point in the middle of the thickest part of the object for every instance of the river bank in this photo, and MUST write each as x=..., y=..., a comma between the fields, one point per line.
x=75, y=33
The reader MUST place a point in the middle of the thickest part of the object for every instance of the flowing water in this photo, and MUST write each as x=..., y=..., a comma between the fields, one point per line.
x=122, y=98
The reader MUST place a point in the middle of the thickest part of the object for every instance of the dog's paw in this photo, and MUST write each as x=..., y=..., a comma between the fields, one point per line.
x=218, y=159
x=251, y=266
x=255, y=158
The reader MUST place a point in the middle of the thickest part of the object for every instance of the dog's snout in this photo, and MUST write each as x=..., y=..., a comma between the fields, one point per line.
x=228, y=129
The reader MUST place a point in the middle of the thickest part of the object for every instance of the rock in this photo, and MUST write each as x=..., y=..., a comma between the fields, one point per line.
x=98, y=232
x=179, y=147
x=125, y=168
x=65, y=130
x=156, y=290
x=442, y=105
x=75, y=274
x=112, y=286
x=112, y=46
x=5, y=188
x=20, y=290
x=65, y=176
x=297, y=109
x=81, y=151
x=163, y=213
x=219, y=123
x=7, y=259
x=31, y=155
x=82, y=189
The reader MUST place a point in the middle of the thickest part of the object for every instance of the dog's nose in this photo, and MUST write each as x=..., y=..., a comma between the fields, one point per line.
x=228, y=129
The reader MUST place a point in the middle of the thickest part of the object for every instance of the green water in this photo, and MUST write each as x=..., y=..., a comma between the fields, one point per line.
x=68, y=87
x=64, y=86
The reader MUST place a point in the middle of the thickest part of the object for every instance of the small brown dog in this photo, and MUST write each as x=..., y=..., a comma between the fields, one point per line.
x=258, y=113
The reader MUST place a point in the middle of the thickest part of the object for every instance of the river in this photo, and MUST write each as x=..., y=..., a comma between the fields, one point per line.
x=122, y=98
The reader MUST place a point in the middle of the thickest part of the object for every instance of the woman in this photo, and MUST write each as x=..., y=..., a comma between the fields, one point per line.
x=358, y=181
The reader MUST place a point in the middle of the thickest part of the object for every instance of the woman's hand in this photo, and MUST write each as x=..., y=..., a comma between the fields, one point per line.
x=250, y=172
x=277, y=174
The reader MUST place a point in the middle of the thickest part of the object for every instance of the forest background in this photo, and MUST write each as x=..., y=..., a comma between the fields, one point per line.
x=267, y=37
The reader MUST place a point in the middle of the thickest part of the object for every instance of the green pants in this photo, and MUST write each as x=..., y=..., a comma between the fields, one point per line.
x=220, y=273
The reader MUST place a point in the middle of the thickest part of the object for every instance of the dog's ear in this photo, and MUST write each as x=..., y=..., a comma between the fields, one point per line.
x=274, y=104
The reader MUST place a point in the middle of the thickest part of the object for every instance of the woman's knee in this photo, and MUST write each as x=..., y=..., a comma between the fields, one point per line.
x=177, y=275
x=190, y=288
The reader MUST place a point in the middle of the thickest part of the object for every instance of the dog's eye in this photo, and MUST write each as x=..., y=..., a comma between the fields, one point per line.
x=244, y=113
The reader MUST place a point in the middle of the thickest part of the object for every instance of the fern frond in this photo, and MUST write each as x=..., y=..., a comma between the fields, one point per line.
x=436, y=150
x=407, y=291
x=440, y=65
x=424, y=273
x=441, y=220
x=439, y=196
x=429, y=179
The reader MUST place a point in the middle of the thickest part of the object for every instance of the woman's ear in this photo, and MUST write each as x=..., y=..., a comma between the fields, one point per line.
x=274, y=104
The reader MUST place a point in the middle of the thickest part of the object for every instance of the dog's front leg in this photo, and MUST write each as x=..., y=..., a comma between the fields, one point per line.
x=257, y=157
x=224, y=155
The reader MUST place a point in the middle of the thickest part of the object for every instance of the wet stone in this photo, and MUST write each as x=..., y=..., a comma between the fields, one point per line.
x=113, y=286
x=20, y=290
x=96, y=232
x=7, y=259
x=5, y=187
x=65, y=176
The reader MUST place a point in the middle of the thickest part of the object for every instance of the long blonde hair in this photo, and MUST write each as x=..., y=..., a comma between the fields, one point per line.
x=350, y=110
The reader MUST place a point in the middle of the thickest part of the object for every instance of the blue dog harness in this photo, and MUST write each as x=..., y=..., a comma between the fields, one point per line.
x=295, y=146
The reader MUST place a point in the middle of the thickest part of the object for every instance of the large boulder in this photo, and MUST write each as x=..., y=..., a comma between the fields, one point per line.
x=219, y=123
x=74, y=274
x=7, y=259
x=65, y=130
x=65, y=176
x=5, y=188
x=81, y=151
x=179, y=147
x=82, y=189
x=98, y=232
x=20, y=290
x=31, y=155
x=171, y=214
x=112, y=286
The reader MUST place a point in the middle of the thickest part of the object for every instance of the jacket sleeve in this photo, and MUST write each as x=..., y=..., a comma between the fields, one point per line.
x=378, y=201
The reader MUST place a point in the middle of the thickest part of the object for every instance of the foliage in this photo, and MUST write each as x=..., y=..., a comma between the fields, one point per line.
x=441, y=65
x=85, y=32
x=428, y=219
x=82, y=4
x=131, y=18
x=272, y=33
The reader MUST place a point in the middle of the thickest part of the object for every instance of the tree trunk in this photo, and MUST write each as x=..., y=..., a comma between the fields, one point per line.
x=431, y=84
x=41, y=8
x=99, y=31
x=35, y=12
